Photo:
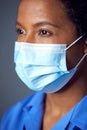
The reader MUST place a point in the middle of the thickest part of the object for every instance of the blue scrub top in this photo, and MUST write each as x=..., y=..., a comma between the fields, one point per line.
x=28, y=113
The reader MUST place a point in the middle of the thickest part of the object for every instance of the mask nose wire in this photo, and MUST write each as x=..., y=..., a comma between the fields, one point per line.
x=78, y=39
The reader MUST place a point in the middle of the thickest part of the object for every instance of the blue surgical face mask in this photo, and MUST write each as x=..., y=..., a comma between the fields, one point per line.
x=42, y=67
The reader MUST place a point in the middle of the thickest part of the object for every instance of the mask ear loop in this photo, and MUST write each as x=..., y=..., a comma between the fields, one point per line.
x=78, y=39
x=81, y=60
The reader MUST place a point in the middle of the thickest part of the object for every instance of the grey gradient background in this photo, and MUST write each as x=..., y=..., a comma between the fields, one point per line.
x=11, y=88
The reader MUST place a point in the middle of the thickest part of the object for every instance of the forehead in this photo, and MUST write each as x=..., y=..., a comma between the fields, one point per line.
x=41, y=9
x=38, y=3
x=31, y=12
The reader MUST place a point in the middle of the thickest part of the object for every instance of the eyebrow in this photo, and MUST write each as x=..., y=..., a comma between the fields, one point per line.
x=42, y=23
x=46, y=23
x=18, y=23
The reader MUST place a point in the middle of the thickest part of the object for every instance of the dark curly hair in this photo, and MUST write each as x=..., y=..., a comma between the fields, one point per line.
x=77, y=12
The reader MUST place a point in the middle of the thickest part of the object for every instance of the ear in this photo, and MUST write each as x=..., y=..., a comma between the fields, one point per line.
x=85, y=47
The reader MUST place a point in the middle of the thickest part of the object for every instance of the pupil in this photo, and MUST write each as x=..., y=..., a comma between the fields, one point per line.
x=44, y=32
x=19, y=31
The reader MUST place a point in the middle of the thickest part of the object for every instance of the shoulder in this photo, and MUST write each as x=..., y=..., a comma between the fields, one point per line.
x=15, y=113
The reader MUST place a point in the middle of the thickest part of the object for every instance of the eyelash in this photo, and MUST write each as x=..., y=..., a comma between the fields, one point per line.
x=20, y=31
x=42, y=32
x=45, y=32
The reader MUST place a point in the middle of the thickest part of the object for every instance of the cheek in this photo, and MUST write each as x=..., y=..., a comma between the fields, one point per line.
x=47, y=39
x=20, y=39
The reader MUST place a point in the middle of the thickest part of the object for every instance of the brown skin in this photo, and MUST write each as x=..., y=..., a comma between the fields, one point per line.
x=41, y=21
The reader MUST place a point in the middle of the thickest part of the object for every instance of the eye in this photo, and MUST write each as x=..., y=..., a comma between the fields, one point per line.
x=44, y=32
x=20, y=31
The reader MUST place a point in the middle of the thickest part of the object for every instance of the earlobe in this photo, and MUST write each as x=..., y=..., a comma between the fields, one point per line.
x=85, y=48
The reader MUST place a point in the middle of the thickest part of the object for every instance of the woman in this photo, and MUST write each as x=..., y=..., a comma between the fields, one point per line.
x=50, y=57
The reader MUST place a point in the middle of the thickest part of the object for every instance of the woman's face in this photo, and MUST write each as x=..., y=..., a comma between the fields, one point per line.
x=44, y=21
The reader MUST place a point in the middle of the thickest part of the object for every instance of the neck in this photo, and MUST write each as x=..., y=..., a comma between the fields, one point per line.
x=64, y=100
